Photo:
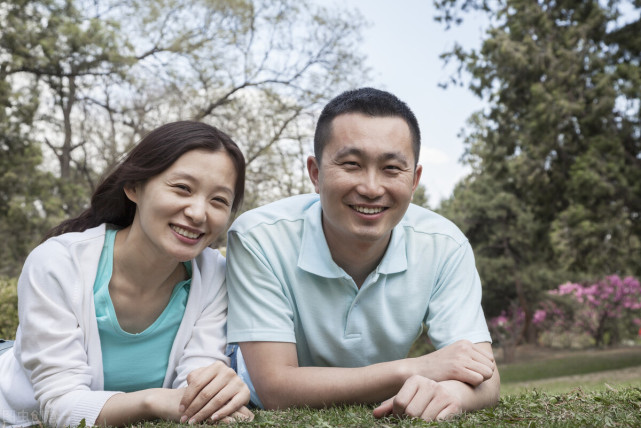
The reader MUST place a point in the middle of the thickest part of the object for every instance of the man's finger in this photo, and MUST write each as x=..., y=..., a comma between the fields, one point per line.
x=384, y=409
x=407, y=393
x=447, y=413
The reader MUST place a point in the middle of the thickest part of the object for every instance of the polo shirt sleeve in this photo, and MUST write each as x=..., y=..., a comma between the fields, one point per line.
x=454, y=311
x=259, y=309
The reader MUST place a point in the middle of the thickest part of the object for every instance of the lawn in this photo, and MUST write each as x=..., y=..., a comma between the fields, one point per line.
x=569, y=391
x=592, y=370
x=532, y=409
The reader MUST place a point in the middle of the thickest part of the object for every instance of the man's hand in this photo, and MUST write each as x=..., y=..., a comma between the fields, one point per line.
x=214, y=392
x=423, y=398
x=463, y=361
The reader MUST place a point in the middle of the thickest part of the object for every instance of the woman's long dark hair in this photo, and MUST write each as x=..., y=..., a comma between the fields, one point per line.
x=155, y=153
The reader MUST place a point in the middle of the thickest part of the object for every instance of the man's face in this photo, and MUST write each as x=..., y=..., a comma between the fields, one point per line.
x=366, y=178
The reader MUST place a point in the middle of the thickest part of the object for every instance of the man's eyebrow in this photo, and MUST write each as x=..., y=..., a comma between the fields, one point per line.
x=346, y=151
x=397, y=156
x=400, y=157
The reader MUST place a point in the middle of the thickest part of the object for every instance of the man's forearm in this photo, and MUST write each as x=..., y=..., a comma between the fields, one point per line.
x=323, y=386
x=281, y=383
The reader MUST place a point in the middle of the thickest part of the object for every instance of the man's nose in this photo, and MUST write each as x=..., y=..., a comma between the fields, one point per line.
x=371, y=185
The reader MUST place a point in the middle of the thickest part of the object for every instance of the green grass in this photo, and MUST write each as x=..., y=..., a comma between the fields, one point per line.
x=590, y=370
x=533, y=409
x=579, y=363
x=563, y=386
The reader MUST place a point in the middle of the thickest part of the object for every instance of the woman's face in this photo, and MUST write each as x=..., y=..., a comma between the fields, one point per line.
x=183, y=209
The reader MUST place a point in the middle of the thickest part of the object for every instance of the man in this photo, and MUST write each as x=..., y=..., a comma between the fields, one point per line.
x=327, y=293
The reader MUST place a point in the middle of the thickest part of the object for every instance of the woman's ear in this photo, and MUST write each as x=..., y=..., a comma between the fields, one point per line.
x=131, y=190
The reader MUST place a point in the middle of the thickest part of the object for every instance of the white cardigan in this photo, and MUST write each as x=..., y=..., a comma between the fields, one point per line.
x=54, y=372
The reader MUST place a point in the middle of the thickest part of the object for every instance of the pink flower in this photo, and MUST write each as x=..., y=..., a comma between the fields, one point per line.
x=539, y=316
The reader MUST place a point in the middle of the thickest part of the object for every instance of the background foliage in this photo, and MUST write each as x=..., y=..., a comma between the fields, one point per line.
x=8, y=308
x=555, y=189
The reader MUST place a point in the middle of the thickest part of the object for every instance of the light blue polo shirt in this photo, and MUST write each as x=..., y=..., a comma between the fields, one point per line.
x=284, y=287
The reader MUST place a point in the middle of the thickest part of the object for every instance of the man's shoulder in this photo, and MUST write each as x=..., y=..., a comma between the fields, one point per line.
x=423, y=221
x=286, y=210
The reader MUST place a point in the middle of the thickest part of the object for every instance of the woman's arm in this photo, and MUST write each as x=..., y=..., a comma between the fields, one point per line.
x=57, y=348
x=128, y=408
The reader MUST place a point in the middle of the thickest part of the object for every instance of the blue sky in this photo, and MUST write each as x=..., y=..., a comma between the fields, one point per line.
x=403, y=44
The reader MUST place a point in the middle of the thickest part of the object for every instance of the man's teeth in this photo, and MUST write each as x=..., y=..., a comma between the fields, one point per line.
x=366, y=210
x=185, y=233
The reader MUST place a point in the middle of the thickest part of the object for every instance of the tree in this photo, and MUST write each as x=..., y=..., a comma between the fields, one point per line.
x=559, y=144
x=261, y=70
x=421, y=197
x=24, y=201
x=105, y=72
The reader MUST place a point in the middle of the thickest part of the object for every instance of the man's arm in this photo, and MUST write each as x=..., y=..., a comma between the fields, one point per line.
x=281, y=383
x=423, y=398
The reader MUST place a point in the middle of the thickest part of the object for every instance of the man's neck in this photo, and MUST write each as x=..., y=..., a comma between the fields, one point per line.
x=358, y=260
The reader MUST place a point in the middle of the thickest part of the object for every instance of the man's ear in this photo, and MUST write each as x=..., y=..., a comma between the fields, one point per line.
x=417, y=177
x=313, y=170
x=131, y=190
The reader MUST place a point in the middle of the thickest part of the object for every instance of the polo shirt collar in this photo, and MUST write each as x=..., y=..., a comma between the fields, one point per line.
x=316, y=258
x=395, y=257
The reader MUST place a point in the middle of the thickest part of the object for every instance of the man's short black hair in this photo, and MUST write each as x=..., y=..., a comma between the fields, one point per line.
x=370, y=102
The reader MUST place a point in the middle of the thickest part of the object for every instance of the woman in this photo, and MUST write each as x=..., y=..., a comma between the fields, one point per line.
x=122, y=310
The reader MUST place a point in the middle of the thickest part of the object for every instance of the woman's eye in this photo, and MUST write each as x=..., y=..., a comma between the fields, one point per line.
x=182, y=187
x=223, y=201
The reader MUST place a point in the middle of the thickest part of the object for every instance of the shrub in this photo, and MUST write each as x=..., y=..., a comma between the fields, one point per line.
x=8, y=308
x=607, y=310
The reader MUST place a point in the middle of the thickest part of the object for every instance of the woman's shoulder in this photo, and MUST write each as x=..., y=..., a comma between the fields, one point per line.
x=210, y=263
x=71, y=238
x=56, y=252
x=208, y=275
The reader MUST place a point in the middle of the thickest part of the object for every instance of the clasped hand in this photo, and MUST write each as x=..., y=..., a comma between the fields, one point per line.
x=431, y=392
x=462, y=361
x=216, y=393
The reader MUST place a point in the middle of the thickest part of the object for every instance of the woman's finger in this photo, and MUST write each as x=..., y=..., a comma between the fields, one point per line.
x=238, y=400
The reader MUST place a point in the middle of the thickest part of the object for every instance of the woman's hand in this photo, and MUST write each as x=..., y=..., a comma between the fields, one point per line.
x=242, y=414
x=214, y=392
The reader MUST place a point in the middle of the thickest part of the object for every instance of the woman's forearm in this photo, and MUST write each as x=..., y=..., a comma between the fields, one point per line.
x=128, y=408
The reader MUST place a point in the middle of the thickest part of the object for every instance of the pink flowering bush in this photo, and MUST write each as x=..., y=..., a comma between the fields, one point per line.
x=606, y=310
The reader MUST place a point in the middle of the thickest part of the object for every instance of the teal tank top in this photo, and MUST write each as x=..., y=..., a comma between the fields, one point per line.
x=132, y=362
